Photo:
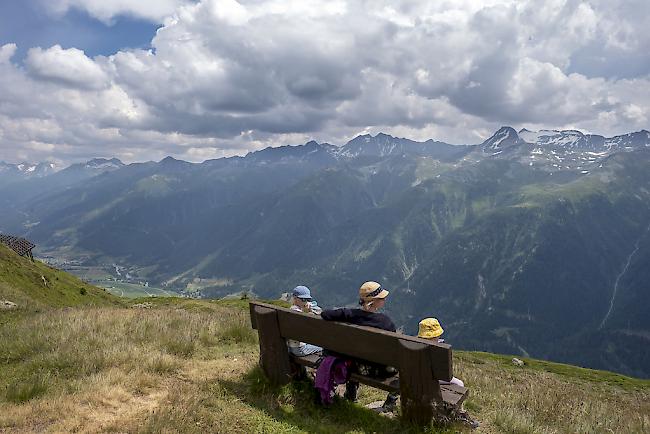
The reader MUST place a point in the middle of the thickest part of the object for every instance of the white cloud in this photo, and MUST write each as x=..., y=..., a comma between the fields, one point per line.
x=68, y=67
x=226, y=76
x=7, y=51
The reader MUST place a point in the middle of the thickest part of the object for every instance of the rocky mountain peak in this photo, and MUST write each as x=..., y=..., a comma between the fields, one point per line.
x=27, y=170
x=104, y=163
x=504, y=138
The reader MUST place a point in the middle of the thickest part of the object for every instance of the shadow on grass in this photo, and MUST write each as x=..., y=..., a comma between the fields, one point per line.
x=295, y=404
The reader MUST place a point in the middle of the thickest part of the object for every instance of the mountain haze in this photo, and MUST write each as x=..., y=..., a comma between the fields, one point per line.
x=533, y=243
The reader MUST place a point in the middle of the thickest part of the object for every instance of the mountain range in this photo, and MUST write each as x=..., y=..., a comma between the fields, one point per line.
x=532, y=243
x=12, y=172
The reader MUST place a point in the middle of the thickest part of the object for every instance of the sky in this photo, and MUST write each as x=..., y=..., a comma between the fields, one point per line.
x=202, y=79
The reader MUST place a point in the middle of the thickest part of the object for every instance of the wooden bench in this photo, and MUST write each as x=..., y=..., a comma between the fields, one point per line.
x=420, y=363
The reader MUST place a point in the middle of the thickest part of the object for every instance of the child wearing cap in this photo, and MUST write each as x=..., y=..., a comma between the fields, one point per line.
x=302, y=302
x=430, y=328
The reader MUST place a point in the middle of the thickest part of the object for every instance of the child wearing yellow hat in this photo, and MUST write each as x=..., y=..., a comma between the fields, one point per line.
x=430, y=328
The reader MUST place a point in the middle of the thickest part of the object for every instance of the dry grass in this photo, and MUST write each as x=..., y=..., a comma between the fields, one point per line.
x=510, y=399
x=192, y=368
x=93, y=369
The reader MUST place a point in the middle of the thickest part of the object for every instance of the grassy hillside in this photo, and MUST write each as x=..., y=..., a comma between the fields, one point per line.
x=176, y=365
x=191, y=366
x=34, y=285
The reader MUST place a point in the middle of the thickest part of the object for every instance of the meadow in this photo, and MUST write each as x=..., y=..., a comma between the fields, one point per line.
x=191, y=366
x=133, y=290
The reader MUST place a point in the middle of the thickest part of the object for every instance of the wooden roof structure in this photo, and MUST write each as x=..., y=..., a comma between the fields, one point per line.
x=19, y=245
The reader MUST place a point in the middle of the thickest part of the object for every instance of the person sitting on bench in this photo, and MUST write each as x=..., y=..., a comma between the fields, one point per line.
x=302, y=302
x=430, y=328
x=372, y=298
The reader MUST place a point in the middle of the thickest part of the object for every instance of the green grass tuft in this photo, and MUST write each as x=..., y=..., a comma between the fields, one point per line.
x=179, y=347
x=26, y=390
x=238, y=333
x=163, y=365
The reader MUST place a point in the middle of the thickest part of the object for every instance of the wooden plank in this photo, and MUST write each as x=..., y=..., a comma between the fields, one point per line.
x=442, y=364
x=274, y=355
x=419, y=391
x=390, y=384
x=354, y=341
x=454, y=395
x=251, y=308
x=366, y=343
x=311, y=361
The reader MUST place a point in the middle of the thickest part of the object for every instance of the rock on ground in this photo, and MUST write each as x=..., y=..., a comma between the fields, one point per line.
x=6, y=304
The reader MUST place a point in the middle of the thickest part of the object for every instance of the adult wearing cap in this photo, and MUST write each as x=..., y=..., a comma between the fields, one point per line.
x=430, y=328
x=302, y=302
x=372, y=297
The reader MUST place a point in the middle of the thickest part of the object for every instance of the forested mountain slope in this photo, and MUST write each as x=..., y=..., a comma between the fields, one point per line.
x=530, y=243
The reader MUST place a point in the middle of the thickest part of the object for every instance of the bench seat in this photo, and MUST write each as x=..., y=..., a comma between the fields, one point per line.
x=421, y=363
x=451, y=393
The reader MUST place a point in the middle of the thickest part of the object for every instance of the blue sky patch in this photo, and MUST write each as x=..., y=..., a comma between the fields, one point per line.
x=26, y=24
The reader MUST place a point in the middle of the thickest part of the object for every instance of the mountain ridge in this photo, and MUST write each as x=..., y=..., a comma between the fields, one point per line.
x=478, y=239
x=383, y=145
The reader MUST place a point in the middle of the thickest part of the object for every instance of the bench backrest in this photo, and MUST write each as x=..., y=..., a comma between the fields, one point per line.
x=367, y=343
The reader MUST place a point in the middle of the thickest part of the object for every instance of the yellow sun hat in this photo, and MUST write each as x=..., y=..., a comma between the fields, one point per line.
x=430, y=328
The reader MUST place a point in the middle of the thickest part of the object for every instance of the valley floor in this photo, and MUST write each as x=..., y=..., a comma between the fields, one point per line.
x=190, y=366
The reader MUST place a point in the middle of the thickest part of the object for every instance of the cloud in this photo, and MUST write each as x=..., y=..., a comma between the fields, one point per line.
x=225, y=76
x=7, y=51
x=68, y=67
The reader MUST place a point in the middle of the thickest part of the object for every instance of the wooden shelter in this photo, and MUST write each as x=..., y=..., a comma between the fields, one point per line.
x=19, y=245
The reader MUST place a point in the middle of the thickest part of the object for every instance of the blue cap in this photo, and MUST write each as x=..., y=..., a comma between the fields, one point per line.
x=301, y=292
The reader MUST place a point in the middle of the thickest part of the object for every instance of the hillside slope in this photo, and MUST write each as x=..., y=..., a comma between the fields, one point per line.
x=191, y=366
x=34, y=285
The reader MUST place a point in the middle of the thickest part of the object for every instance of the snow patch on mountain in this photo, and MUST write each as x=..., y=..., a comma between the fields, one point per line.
x=563, y=149
x=27, y=170
x=529, y=136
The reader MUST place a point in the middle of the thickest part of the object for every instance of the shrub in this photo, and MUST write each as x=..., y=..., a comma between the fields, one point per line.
x=82, y=291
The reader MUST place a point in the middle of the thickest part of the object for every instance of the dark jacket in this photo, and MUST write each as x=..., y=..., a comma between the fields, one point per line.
x=359, y=317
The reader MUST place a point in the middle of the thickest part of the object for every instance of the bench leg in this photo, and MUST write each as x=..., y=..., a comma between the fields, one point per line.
x=419, y=390
x=274, y=354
